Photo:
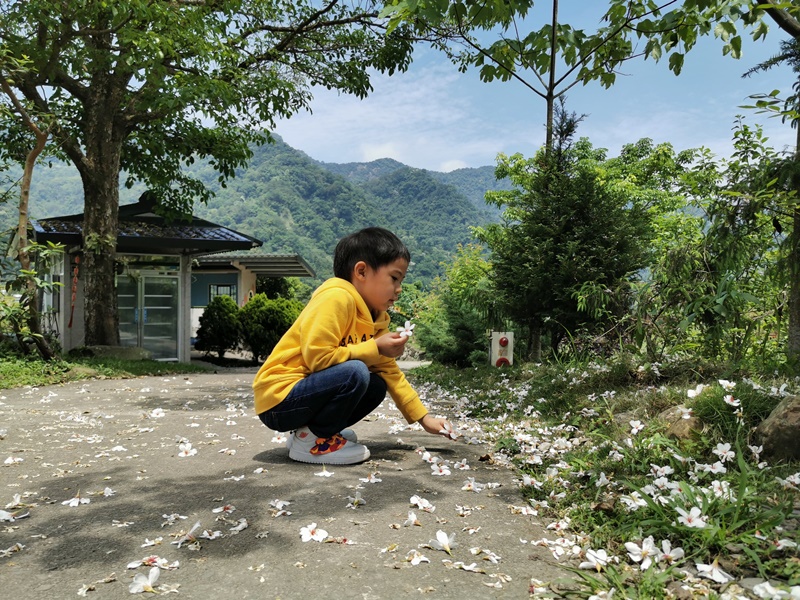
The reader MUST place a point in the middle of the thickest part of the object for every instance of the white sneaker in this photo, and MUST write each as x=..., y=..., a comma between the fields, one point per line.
x=335, y=450
x=347, y=434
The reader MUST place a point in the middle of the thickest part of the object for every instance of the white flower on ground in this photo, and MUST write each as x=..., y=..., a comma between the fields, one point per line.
x=144, y=583
x=669, y=554
x=470, y=485
x=371, y=478
x=560, y=526
x=731, y=401
x=595, y=559
x=422, y=503
x=713, y=572
x=406, y=330
x=241, y=525
x=324, y=472
x=187, y=537
x=717, y=468
x=765, y=590
x=226, y=508
x=644, y=554
x=279, y=438
x=661, y=471
x=724, y=452
x=784, y=544
x=693, y=518
x=185, y=449
x=636, y=427
x=412, y=520
x=311, y=532
x=602, y=481
x=686, y=413
x=632, y=501
x=355, y=501
x=210, y=535
x=461, y=465
x=279, y=504
x=415, y=557
x=444, y=542
x=76, y=501
x=693, y=393
x=440, y=469
x=722, y=489
x=157, y=413
x=727, y=385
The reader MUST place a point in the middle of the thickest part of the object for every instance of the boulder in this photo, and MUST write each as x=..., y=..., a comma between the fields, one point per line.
x=778, y=432
x=685, y=429
x=678, y=426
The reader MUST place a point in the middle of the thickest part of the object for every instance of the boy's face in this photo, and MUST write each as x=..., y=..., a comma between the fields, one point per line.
x=379, y=288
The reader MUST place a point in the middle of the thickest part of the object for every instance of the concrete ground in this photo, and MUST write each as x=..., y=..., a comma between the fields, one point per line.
x=113, y=448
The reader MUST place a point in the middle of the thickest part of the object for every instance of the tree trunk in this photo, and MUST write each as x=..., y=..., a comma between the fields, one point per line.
x=104, y=135
x=550, y=97
x=32, y=291
x=793, y=338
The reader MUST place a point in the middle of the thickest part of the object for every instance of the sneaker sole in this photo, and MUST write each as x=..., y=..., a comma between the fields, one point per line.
x=328, y=459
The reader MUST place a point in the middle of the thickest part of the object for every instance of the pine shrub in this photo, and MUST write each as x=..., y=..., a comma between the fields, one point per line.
x=219, y=326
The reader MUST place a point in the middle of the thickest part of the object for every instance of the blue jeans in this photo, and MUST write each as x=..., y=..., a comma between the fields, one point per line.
x=329, y=400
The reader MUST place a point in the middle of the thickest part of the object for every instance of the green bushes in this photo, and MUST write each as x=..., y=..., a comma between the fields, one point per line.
x=264, y=321
x=220, y=329
x=257, y=326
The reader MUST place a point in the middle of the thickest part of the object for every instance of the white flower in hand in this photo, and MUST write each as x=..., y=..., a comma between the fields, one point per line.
x=448, y=431
x=407, y=330
x=142, y=583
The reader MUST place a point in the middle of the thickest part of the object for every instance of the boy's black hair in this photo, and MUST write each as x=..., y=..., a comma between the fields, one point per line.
x=374, y=245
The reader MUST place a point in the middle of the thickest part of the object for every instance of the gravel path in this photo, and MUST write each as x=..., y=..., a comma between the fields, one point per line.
x=117, y=445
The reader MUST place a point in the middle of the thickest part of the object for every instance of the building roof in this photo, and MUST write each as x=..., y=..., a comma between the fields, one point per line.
x=143, y=231
x=266, y=265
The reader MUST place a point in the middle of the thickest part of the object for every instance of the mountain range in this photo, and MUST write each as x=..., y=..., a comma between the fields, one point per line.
x=295, y=204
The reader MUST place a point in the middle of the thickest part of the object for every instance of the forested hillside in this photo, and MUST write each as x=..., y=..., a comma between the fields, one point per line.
x=472, y=183
x=298, y=205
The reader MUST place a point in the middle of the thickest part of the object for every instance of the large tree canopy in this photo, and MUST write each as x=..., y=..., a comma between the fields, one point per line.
x=146, y=86
x=552, y=55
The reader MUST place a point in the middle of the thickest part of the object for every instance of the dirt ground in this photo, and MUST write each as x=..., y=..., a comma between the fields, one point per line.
x=117, y=444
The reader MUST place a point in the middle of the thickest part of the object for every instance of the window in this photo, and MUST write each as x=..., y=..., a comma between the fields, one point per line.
x=218, y=289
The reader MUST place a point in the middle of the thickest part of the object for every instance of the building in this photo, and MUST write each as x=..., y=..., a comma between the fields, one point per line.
x=166, y=274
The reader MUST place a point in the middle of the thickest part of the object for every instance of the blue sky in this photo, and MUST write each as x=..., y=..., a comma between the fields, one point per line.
x=434, y=117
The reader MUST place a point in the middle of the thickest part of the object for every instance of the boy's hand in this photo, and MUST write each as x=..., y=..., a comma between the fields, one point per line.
x=436, y=426
x=391, y=344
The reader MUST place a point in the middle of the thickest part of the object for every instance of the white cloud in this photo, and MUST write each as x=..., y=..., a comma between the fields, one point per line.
x=436, y=118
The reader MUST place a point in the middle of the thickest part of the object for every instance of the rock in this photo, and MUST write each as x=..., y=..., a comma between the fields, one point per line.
x=679, y=427
x=778, y=432
x=685, y=429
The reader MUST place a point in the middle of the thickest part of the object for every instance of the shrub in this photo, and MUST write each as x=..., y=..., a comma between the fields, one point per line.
x=264, y=321
x=219, y=326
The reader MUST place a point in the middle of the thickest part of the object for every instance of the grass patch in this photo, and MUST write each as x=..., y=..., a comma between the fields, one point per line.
x=597, y=465
x=19, y=372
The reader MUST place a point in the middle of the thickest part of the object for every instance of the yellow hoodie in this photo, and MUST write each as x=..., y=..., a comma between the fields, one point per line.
x=335, y=326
